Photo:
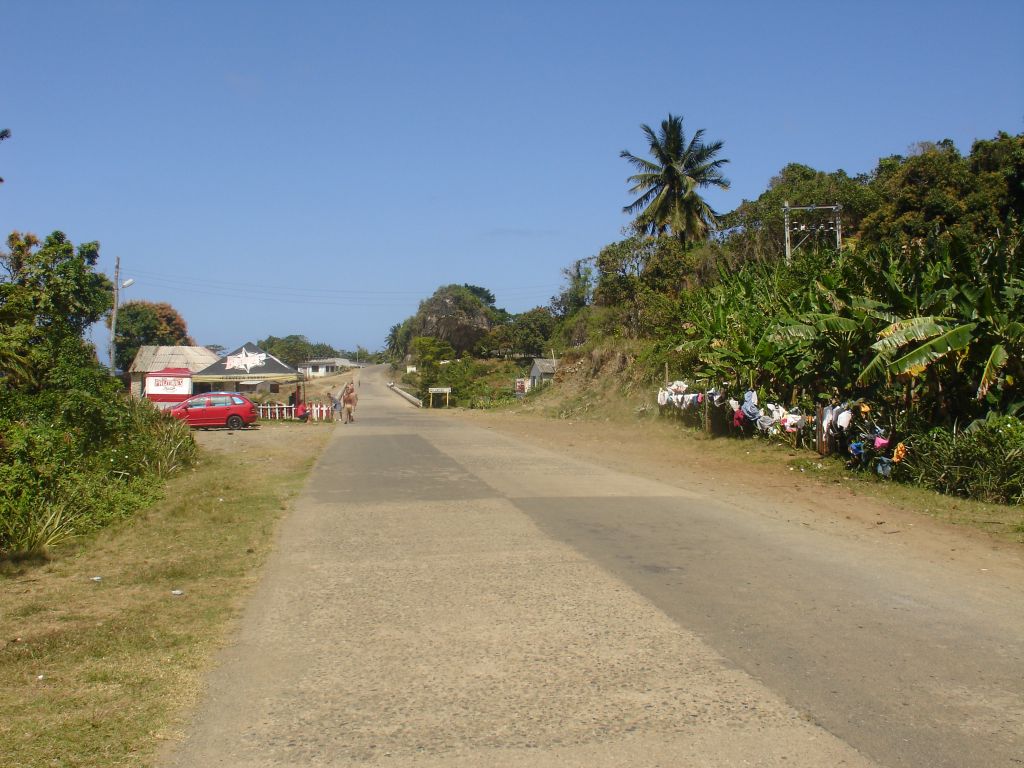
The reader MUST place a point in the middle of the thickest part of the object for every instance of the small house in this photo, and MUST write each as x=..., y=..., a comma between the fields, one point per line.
x=157, y=359
x=543, y=371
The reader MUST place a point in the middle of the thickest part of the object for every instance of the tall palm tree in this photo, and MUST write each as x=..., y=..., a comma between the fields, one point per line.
x=668, y=185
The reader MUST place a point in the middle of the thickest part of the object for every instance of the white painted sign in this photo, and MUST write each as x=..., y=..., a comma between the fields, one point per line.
x=168, y=385
x=245, y=359
x=440, y=390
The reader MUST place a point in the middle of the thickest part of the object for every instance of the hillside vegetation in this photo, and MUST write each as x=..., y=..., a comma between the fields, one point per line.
x=916, y=313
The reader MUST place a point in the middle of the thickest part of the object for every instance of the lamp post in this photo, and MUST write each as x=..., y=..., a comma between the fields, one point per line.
x=118, y=285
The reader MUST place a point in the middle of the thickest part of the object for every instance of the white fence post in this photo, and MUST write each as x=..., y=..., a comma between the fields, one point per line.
x=275, y=412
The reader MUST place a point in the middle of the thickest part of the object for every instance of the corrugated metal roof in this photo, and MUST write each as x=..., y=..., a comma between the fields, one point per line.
x=545, y=364
x=156, y=358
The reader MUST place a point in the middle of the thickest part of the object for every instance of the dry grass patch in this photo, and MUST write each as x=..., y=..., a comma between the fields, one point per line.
x=94, y=671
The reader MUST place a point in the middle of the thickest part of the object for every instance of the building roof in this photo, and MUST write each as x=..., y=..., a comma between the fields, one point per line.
x=342, y=361
x=247, y=363
x=545, y=364
x=150, y=358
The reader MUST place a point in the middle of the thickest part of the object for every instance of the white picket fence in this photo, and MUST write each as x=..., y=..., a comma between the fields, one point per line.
x=277, y=412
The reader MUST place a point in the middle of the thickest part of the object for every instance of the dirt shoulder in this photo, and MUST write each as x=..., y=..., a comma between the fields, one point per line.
x=790, y=485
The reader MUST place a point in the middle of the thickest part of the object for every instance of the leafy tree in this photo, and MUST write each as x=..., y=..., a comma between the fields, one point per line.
x=217, y=349
x=429, y=352
x=938, y=191
x=669, y=184
x=999, y=162
x=294, y=349
x=75, y=453
x=578, y=289
x=756, y=228
x=321, y=350
x=49, y=295
x=146, y=323
x=644, y=277
x=486, y=296
x=532, y=330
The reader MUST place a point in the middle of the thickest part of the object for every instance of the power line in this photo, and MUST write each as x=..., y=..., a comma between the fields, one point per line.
x=313, y=296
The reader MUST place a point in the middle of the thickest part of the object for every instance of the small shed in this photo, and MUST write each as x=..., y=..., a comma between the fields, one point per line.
x=151, y=359
x=543, y=371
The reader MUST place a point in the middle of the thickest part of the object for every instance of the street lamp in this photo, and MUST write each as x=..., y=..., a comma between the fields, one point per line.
x=118, y=286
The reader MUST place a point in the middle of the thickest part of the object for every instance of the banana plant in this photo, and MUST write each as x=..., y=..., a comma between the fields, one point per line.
x=977, y=333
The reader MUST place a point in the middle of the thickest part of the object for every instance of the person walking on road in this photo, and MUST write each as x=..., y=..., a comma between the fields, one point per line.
x=349, y=398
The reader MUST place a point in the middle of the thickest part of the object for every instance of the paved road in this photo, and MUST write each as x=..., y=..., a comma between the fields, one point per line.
x=445, y=596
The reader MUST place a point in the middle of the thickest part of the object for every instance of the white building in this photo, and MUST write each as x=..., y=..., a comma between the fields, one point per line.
x=325, y=366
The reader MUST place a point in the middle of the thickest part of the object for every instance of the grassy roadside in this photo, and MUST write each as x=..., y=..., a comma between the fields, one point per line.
x=93, y=672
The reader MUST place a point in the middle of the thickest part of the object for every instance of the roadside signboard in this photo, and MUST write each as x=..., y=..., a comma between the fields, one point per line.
x=446, y=391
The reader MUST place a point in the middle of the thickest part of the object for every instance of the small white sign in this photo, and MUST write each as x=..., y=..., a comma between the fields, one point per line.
x=440, y=390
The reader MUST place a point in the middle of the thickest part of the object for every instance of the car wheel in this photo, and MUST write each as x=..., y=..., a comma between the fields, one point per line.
x=235, y=421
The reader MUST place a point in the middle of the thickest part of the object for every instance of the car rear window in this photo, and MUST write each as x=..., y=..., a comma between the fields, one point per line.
x=237, y=400
x=220, y=400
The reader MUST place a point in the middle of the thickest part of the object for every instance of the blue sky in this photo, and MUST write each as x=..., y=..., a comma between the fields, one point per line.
x=320, y=167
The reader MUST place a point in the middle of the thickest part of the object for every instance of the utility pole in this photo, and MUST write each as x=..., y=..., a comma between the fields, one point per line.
x=789, y=245
x=118, y=285
x=812, y=230
x=113, y=312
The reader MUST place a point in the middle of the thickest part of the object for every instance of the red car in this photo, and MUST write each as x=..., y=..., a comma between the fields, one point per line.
x=216, y=409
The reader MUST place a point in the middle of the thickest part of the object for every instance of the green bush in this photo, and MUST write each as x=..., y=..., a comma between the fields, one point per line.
x=984, y=461
x=73, y=463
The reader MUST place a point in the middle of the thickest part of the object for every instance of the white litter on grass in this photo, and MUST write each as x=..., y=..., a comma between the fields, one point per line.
x=40, y=677
x=97, y=578
x=177, y=592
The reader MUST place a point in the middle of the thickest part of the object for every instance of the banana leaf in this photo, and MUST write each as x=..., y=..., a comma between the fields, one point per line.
x=905, y=331
x=919, y=358
x=996, y=360
x=876, y=370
